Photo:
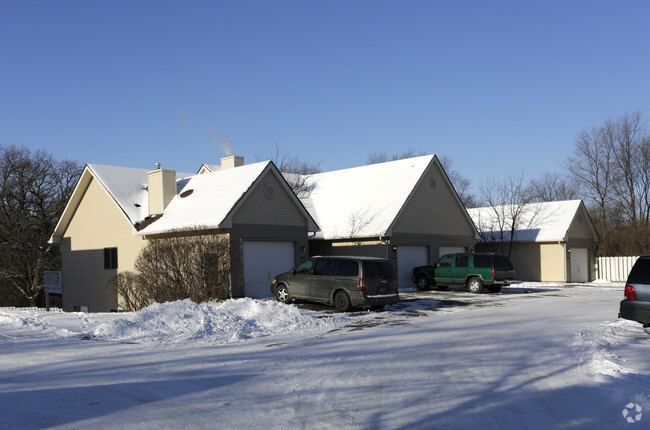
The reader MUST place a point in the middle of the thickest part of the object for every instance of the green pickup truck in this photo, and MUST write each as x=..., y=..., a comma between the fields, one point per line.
x=473, y=271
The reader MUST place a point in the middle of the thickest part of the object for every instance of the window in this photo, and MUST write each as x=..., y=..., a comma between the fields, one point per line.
x=110, y=258
x=445, y=261
x=482, y=261
x=325, y=267
x=304, y=267
x=347, y=268
x=462, y=260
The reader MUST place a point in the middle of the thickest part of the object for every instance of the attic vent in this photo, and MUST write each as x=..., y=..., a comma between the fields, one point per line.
x=187, y=193
x=433, y=183
x=269, y=191
x=137, y=205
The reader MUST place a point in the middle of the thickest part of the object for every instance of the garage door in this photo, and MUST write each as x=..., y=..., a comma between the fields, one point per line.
x=262, y=261
x=579, y=265
x=409, y=257
x=450, y=250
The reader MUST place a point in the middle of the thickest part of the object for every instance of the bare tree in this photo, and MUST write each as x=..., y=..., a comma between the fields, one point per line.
x=34, y=189
x=382, y=157
x=297, y=173
x=550, y=187
x=508, y=200
x=612, y=164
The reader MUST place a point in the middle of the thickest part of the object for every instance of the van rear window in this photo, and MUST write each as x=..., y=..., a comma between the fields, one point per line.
x=378, y=269
x=640, y=273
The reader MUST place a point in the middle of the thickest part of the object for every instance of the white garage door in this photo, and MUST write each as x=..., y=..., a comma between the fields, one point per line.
x=262, y=261
x=579, y=265
x=409, y=257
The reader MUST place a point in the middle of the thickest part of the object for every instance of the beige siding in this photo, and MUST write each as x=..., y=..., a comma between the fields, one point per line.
x=259, y=209
x=162, y=189
x=98, y=223
x=434, y=210
x=552, y=262
x=580, y=228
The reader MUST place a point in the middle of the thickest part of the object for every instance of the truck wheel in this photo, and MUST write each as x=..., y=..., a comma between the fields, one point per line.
x=422, y=282
x=475, y=285
x=494, y=288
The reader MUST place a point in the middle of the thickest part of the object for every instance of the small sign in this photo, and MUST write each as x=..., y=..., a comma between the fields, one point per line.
x=52, y=282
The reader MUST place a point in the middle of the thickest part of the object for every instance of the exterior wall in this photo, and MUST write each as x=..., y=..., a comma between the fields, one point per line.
x=162, y=189
x=553, y=262
x=580, y=227
x=278, y=233
x=434, y=210
x=527, y=261
x=98, y=223
x=279, y=210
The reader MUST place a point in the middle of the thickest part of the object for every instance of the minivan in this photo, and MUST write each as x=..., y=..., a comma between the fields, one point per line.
x=636, y=305
x=345, y=282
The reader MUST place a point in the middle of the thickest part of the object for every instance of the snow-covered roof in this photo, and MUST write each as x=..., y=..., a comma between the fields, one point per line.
x=209, y=200
x=538, y=222
x=363, y=201
x=213, y=197
x=128, y=187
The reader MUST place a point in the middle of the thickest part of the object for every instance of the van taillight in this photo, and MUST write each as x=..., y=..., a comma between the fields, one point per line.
x=494, y=271
x=630, y=294
x=362, y=284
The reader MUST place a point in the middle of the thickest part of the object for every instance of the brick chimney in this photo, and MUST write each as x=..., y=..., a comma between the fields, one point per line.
x=231, y=161
x=161, y=185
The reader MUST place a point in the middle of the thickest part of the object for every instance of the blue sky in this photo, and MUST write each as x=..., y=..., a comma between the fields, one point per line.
x=495, y=86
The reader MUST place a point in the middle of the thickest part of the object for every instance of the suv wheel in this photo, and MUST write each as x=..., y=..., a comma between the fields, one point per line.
x=475, y=285
x=342, y=302
x=422, y=282
x=282, y=294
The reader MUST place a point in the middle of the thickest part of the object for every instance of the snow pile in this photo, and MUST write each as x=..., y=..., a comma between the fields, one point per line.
x=227, y=321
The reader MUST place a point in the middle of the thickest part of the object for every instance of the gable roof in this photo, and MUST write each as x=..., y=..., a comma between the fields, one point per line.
x=215, y=197
x=365, y=201
x=538, y=222
x=127, y=187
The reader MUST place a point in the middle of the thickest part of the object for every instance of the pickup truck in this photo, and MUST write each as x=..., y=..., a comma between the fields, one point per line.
x=473, y=271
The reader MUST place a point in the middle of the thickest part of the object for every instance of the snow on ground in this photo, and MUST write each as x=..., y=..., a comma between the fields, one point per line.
x=537, y=356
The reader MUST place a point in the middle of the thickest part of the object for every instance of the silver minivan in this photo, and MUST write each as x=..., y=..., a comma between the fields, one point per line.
x=345, y=282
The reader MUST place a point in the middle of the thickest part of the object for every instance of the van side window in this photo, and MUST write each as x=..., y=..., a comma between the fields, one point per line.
x=325, y=267
x=304, y=267
x=445, y=261
x=347, y=268
x=462, y=260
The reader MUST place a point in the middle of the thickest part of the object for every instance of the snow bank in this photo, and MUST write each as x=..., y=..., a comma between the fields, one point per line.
x=173, y=322
x=227, y=321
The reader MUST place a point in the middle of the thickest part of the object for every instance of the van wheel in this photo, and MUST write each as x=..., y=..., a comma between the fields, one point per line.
x=494, y=288
x=342, y=302
x=475, y=285
x=282, y=294
x=422, y=282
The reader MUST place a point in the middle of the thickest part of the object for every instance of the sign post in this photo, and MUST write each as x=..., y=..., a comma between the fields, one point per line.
x=52, y=285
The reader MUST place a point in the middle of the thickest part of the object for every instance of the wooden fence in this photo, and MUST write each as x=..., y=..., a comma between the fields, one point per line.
x=614, y=269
